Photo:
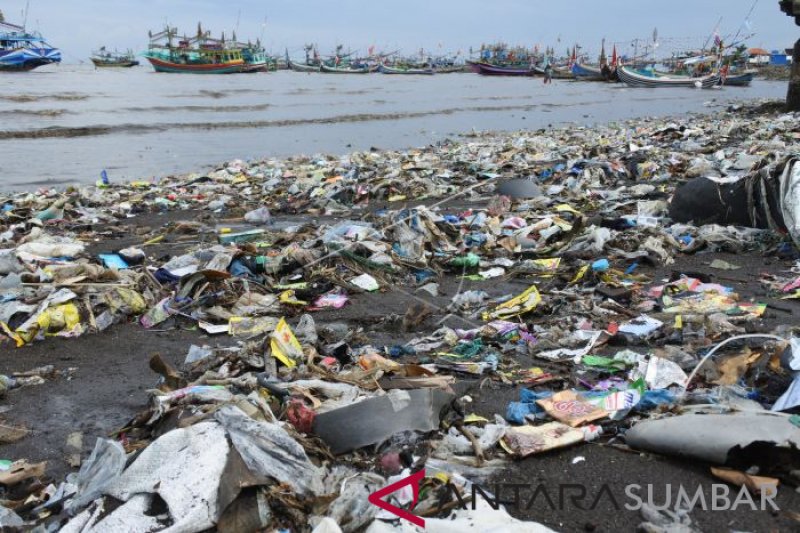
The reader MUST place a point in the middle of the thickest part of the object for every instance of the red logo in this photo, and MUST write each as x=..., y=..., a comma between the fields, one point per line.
x=413, y=480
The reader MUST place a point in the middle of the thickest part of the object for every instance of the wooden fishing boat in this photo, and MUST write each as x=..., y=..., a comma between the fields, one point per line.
x=302, y=67
x=344, y=70
x=255, y=57
x=633, y=78
x=740, y=79
x=222, y=67
x=198, y=55
x=386, y=69
x=104, y=58
x=499, y=59
x=736, y=79
x=499, y=70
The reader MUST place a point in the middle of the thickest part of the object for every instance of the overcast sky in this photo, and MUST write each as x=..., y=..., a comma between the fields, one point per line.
x=78, y=26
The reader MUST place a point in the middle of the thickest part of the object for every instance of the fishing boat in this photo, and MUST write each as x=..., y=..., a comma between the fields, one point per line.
x=733, y=79
x=634, y=78
x=603, y=71
x=341, y=62
x=198, y=55
x=276, y=62
x=501, y=60
x=740, y=79
x=586, y=72
x=346, y=69
x=105, y=58
x=21, y=50
x=255, y=57
x=386, y=69
x=558, y=72
x=502, y=70
x=303, y=67
x=312, y=63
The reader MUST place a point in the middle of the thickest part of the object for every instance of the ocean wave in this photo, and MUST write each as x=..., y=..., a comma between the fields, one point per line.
x=25, y=98
x=35, y=112
x=87, y=131
x=199, y=108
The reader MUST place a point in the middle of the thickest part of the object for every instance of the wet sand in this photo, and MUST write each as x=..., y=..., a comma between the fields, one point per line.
x=113, y=375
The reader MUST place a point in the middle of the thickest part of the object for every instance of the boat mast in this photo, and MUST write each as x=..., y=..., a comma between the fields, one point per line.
x=25, y=19
x=746, y=21
x=715, y=30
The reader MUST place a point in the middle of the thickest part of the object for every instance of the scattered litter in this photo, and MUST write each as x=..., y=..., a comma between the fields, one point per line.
x=561, y=272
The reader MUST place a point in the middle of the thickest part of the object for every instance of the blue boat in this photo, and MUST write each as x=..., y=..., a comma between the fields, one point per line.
x=739, y=79
x=23, y=50
x=587, y=72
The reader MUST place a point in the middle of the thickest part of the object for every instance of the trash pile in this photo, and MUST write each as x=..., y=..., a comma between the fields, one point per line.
x=545, y=257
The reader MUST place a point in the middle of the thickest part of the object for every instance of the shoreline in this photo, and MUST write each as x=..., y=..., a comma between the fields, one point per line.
x=713, y=110
x=316, y=246
x=139, y=138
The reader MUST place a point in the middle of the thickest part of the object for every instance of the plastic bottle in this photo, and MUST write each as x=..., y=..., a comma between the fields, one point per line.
x=55, y=211
x=469, y=260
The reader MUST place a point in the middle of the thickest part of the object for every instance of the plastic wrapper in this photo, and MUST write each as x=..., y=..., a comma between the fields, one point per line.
x=98, y=472
x=284, y=345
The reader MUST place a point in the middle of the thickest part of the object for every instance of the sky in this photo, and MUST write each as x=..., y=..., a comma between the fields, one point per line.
x=449, y=26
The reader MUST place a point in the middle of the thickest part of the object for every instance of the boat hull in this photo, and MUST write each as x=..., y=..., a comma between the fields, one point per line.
x=117, y=64
x=25, y=59
x=474, y=66
x=587, y=73
x=299, y=67
x=634, y=79
x=494, y=70
x=451, y=70
x=408, y=71
x=255, y=67
x=739, y=80
x=337, y=70
x=177, y=68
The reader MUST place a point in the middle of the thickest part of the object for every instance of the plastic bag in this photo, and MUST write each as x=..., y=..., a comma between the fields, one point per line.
x=258, y=216
x=790, y=199
x=407, y=243
x=306, y=330
x=270, y=452
x=9, y=264
x=284, y=345
x=62, y=320
x=51, y=247
x=349, y=230
x=525, y=302
x=465, y=300
x=102, y=468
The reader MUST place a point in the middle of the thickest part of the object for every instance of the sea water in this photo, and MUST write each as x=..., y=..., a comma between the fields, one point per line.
x=64, y=124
